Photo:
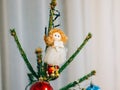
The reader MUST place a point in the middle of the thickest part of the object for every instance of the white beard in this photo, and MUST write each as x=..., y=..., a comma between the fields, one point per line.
x=55, y=55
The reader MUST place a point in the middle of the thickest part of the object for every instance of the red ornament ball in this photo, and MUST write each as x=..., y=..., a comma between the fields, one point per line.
x=41, y=86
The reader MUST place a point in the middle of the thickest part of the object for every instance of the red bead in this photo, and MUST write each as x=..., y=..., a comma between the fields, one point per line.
x=41, y=86
x=51, y=69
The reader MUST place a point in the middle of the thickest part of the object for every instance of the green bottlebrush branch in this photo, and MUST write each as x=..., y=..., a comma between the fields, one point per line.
x=42, y=67
x=72, y=84
x=75, y=53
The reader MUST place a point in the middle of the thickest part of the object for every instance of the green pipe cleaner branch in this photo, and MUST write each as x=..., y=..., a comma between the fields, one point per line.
x=75, y=53
x=73, y=84
x=13, y=33
x=38, y=52
x=52, y=9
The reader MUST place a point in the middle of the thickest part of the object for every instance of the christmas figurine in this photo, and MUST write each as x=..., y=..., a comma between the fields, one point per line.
x=56, y=52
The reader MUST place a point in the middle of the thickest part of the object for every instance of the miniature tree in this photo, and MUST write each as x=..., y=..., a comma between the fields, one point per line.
x=49, y=70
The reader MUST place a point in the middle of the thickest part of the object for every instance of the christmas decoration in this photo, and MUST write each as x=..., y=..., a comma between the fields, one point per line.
x=41, y=86
x=49, y=67
x=93, y=87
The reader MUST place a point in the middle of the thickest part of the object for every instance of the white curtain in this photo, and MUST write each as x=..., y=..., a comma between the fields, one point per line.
x=29, y=17
x=102, y=53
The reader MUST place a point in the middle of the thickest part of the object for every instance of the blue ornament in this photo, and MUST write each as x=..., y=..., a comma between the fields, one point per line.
x=93, y=87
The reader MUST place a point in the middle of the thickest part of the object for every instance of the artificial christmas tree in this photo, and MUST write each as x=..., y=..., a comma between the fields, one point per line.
x=48, y=67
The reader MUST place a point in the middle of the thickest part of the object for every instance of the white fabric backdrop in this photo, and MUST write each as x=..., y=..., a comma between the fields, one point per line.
x=101, y=18
x=102, y=53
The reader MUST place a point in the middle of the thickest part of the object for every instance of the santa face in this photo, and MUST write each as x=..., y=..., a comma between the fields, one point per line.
x=57, y=36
